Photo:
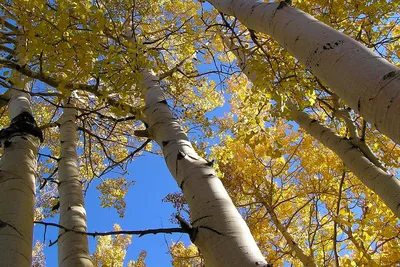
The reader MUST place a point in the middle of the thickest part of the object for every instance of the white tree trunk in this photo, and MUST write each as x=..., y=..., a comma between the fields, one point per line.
x=220, y=233
x=367, y=82
x=73, y=248
x=386, y=186
x=17, y=190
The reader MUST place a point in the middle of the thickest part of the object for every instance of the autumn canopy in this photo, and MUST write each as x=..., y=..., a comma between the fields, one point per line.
x=279, y=121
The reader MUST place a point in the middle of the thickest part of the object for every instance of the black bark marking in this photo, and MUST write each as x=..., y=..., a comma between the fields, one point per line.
x=182, y=183
x=332, y=45
x=390, y=102
x=210, y=163
x=359, y=105
x=181, y=155
x=389, y=75
x=282, y=4
x=22, y=124
x=7, y=143
x=165, y=143
x=326, y=47
x=163, y=102
x=254, y=7
x=201, y=218
x=4, y=224
x=211, y=229
x=210, y=175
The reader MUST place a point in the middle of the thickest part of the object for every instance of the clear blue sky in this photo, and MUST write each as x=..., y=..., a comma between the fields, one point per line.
x=144, y=210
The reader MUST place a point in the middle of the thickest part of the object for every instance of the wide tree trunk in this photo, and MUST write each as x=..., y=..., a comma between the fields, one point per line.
x=17, y=183
x=366, y=81
x=385, y=185
x=73, y=248
x=218, y=230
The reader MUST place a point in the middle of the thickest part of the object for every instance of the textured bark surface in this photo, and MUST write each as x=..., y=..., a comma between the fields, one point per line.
x=73, y=248
x=17, y=190
x=366, y=81
x=219, y=231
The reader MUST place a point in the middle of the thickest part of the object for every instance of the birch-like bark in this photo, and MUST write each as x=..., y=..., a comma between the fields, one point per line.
x=17, y=189
x=219, y=231
x=366, y=81
x=73, y=248
x=385, y=185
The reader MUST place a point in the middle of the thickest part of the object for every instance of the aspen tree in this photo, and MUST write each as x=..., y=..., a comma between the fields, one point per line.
x=385, y=185
x=73, y=248
x=217, y=229
x=366, y=81
x=20, y=144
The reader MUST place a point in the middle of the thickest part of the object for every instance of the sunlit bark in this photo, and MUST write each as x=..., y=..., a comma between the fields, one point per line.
x=219, y=231
x=17, y=189
x=367, y=82
x=385, y=185
x=73, y=248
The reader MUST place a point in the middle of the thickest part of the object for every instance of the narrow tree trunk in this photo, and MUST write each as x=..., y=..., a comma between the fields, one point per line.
x=17, y=185
x=73, y=248
x=367, y=82
x=219, y=231
x=386, y=186
x=307, y=261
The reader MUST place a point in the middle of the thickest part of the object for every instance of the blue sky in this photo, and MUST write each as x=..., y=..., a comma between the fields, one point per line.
x=144, y=210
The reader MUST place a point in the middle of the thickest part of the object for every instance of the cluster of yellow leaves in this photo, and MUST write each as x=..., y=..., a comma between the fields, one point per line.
x=185, y=256
x=298, y=193
x=113, y=193
x=273, y=172
x=111, y=251
x=140, y=262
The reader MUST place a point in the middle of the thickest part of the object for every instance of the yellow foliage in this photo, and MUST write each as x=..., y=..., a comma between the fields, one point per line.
x=111, y=251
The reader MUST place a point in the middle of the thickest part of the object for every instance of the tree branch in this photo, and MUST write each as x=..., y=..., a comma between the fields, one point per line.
x=140, y=233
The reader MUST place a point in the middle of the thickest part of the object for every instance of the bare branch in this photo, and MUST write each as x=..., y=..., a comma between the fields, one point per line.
x=140, y=233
